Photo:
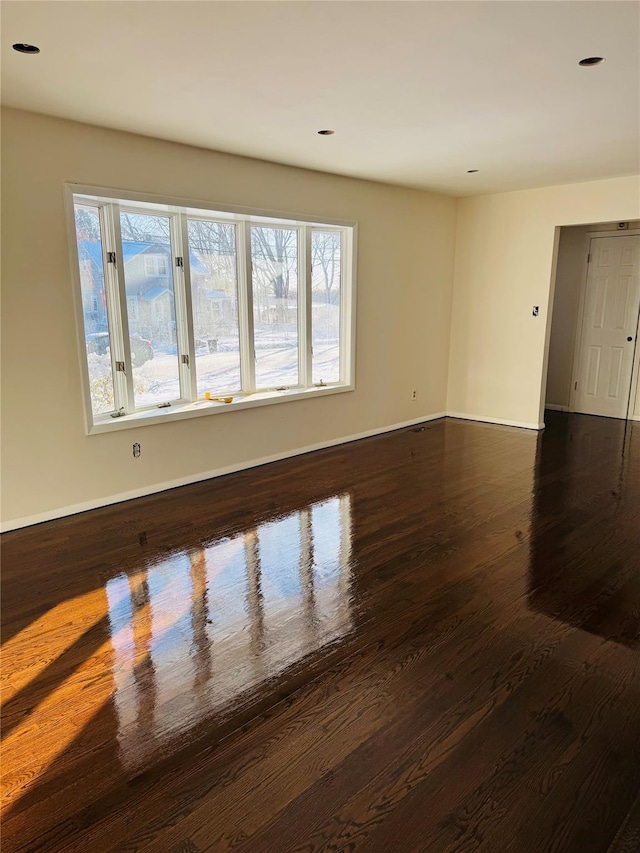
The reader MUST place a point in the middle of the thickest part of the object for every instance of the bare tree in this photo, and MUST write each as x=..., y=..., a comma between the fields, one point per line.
x=274, y=255
x=87, y=224
x=325, y=259
x=144, y=228
x=214, y=244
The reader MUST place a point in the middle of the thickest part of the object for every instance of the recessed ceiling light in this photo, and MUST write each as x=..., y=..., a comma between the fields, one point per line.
x=472, y=171
x=326, y=132
x=26, y=48
x=591, y=60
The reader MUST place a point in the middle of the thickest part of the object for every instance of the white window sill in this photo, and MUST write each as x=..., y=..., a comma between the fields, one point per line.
x=181, y=411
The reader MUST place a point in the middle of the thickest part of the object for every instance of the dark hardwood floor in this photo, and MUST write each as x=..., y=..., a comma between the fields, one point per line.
x=424, y=641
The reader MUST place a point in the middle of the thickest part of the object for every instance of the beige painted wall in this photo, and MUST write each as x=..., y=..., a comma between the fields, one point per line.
x=504, y=259
x=405, y=266
x=636, y=413
x=570, y=272
x=564, y=323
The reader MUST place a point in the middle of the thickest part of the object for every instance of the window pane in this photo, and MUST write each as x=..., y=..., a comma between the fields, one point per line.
x=148, y=275
x=274, y=255
x=325, y=305
x=94, y=309
x=214, y=294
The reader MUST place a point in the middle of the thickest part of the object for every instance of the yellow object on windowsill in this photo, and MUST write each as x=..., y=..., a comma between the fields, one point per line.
x=208, y=396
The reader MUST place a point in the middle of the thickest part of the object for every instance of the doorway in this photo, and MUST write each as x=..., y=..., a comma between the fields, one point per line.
x=594, y=350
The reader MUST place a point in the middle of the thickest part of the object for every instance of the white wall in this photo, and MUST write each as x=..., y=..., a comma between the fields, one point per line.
x=405, y=267
x=505, y=248
x=570, y=273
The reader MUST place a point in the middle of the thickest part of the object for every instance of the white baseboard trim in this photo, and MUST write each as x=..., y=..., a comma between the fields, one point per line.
x=74, y=509
x=521, y=424
x=552, y=407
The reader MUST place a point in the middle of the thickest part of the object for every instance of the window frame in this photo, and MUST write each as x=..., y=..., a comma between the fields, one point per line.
x=109, y=203
x=301, y=244
x=309, y=297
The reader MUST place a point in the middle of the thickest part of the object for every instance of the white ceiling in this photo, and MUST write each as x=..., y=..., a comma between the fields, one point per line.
x=417, y=92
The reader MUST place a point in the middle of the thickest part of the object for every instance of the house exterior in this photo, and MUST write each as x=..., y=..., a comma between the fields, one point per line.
x=149, y=288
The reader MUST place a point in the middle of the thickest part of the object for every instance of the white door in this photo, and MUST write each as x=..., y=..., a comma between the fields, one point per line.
x=602, y=381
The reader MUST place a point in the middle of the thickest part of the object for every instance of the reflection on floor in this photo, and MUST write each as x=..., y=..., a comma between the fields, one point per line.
x=235, y=613
x=424, y=641
x=585, y=527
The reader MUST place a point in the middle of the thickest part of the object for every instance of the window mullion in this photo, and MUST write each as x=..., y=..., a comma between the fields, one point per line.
x=245, y=307
x=123, y=384
x=184, y=309
x=347, y=307
x=306, y=331
x=304, y=353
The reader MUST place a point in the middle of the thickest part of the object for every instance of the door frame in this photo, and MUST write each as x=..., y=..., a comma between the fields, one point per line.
x=575, y=366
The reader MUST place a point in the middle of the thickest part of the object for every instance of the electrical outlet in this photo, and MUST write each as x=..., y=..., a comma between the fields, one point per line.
x=137, y=450
x=414, y=394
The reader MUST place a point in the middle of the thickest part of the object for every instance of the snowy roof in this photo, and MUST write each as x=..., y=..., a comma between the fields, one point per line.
x=154, y=292
x=91, y=250
x=197, y=265
x=131, y=249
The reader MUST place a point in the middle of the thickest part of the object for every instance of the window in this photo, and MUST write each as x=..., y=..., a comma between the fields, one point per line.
x=96, y=323
x=274, y=262
x=151, y=314
x=188, y=311
x=325, y=305
x=154, y=265
x=214, y=301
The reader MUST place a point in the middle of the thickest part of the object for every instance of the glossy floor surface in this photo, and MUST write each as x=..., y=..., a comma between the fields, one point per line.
x=425, y=641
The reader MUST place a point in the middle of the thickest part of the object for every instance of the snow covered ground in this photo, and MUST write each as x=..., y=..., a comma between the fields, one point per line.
x=156, y=381
x=219, y=372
